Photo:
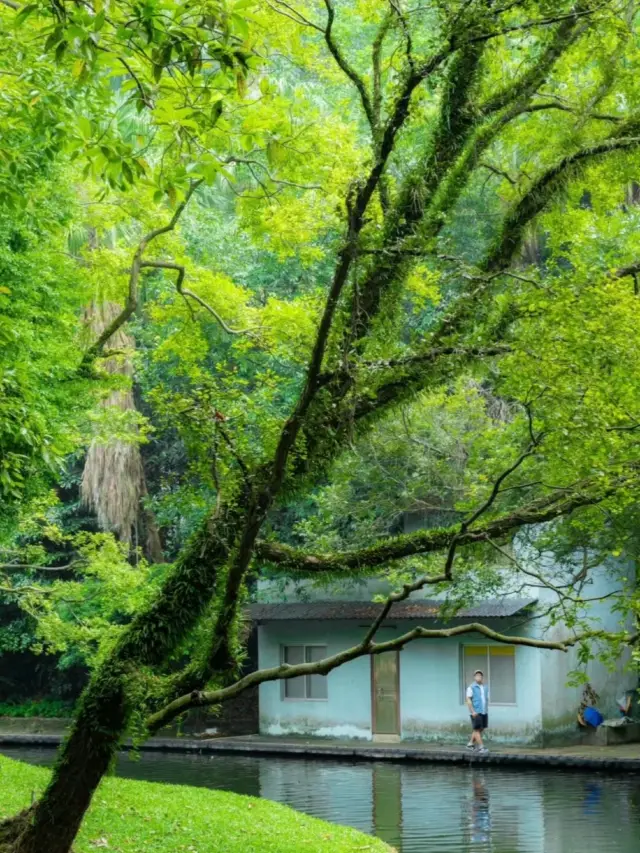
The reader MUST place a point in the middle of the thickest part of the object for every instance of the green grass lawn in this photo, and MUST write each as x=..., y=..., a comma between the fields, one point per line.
x=147, y=817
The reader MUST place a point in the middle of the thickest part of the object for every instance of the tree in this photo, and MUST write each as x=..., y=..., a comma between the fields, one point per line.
x=436, y=105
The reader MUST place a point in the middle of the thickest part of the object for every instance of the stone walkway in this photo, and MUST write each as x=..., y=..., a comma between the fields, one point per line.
x=624, y=758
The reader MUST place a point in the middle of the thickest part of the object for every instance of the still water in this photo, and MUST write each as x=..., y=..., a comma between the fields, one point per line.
x=421, y=808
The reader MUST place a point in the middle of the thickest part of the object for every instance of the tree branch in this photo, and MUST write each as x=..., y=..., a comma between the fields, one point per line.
x=342, y=62
x=527, y=83
x=293, y=14
x=362, y=560
x=495, y=491
x=198, y=699
x=397, y=9
x=23, y=590
x=557, y=105
x=272, y=476
x=543, y=582
x=434, y=353
x=376, y=51
x=623, y=272
x=466, y=523
x=141, y=91
x=183, y=291
x=134, y=275
x=18, y=567
x=543, y=190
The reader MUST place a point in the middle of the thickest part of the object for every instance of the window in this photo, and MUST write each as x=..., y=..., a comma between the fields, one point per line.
x=498, y=663
x=305, y=686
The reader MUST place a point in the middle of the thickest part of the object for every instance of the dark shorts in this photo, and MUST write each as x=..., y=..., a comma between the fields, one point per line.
x=480, y=722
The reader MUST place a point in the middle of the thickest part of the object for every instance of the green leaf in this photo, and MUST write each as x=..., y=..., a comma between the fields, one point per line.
x=25, y=12
x=85, y=127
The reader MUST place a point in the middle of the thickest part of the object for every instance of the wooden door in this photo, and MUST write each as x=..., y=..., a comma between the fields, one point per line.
x=385, y=683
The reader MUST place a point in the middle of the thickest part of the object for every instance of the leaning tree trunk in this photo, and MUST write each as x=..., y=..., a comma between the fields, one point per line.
x=105, y=706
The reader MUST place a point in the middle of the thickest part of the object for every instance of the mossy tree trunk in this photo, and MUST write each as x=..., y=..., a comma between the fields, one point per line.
x=106, y=705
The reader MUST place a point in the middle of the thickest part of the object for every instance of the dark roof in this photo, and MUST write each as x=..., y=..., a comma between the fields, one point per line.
x=368, y=610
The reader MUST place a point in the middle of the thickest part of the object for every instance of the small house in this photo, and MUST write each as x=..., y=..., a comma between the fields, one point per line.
x=418, y=693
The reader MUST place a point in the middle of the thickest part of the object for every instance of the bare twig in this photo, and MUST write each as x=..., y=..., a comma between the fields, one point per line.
x=499, y=172
x=293, y=14
x=558, y=105
x=234, y=451
x=143, y=95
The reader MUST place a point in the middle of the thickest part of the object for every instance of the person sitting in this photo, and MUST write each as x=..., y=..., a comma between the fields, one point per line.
x=588, y=714
x=624, y=705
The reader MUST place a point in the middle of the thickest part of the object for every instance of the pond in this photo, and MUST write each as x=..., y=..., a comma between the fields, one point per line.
x=421, y=808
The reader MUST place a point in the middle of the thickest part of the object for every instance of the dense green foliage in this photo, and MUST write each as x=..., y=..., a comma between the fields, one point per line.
x=135, y=816
x=289, y=271
x=277, y=153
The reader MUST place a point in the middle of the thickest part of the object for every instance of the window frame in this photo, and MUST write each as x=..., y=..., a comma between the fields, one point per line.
x=487, y=671
x=283, y=682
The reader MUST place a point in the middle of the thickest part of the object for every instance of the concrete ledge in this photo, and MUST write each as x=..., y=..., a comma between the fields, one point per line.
x=612, y=735
x=586, y=759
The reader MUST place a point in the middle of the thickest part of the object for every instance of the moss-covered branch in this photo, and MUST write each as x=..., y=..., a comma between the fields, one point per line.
x=546, y=187
x=368, y=560
x=347, y=68
x=567, y=32
x=629, y=270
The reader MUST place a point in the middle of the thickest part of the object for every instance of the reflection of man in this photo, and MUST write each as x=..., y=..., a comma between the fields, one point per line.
x=593, y=794
x=480, y=815
x=478, y=704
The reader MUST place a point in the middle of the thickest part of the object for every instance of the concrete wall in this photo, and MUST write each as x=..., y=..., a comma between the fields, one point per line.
x=431, y=694
x=347, y=711
x=560, y=703
x=431, y=706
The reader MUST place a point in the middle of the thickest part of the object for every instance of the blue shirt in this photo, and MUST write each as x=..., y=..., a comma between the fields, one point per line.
x=479, y=696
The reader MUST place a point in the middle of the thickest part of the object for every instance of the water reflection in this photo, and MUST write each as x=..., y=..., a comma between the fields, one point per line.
x=423, y=808
x=480, y=835
x=387, y=803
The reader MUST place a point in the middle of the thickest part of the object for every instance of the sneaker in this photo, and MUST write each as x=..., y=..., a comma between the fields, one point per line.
x=471, y=746
x=483, y=750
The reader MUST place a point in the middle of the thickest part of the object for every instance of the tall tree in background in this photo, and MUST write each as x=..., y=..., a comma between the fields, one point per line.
x=439, y=110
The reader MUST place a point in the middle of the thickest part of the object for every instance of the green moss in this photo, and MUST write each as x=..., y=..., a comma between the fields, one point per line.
x=146, y=817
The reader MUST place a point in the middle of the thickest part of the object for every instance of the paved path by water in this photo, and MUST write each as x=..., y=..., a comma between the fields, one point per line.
x=623, y=758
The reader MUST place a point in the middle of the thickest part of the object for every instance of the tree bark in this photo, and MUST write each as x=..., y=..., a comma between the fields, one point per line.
x=106, y=705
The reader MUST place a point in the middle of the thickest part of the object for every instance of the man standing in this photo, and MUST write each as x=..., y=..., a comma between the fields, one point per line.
x=478, y=704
